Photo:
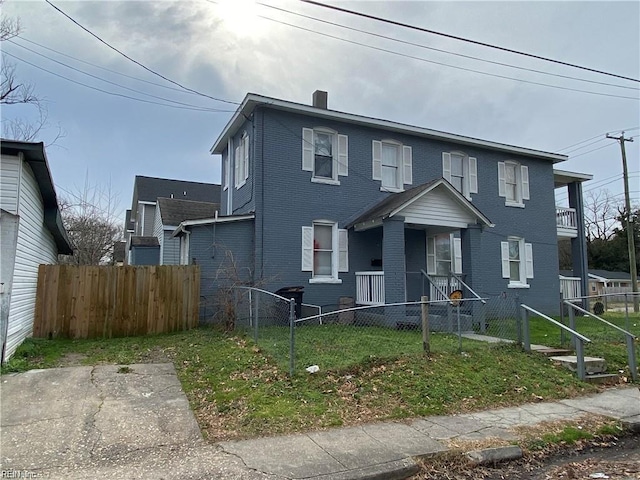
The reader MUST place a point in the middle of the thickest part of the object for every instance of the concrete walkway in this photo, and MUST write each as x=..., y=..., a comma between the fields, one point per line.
x=106, y=422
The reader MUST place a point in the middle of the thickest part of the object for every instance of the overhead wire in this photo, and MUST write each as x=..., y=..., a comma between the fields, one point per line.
x=413, y=44
x=114, y=83
x=200, y=109
x=136, y=61
x=463, y=39
x=630, y=129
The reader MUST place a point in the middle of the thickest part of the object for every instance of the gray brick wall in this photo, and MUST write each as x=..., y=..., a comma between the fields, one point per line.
x=291, y=200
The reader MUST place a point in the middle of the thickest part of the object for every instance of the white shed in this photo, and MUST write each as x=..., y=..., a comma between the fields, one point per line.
x=31, y=234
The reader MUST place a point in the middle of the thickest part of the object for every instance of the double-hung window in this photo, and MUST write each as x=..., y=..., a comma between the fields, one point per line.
x=517, y=261
x=461, y=171
x=392, y=164
x=444, y=254
x=241, y=161
x=325, y=153
x=513, y=183
x=324, y=251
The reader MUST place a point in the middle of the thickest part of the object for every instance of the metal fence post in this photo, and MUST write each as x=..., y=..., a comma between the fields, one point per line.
x=292, y=330
x=626, y=312
x=572, y=326
x=525, y=328
x=256, y=319
x=561, y=317
x=580, y=357
x=459, y=328
x=519, y=317
x=631, y=350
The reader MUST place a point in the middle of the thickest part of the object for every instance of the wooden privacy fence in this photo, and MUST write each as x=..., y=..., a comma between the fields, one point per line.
x=102, y=302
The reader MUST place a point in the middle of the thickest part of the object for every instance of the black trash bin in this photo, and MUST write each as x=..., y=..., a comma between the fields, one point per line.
x=295, y=293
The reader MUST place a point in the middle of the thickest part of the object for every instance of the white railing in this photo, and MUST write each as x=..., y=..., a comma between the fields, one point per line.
x=570, y=287
x=566, y=217
x=370, y=288
x=445, y=284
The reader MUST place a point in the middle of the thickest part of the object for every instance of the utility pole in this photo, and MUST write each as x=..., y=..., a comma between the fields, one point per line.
x=633, y=270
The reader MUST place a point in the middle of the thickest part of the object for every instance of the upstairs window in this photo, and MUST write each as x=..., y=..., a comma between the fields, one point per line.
x=324, y=251
x=241, y=161
x=517, y=261
x=392, y=164
x=513, y=183
x=325, y=154
x=461, y=171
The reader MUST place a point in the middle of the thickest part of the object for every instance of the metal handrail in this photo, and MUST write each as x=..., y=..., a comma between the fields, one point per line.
x=264, y=291
x=579, y=339
x=440, y=291
x=556, y=323
x=630, y=338
x=468, y=287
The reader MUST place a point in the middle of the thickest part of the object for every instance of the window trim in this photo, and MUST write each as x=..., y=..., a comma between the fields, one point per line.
x=525, y=251
x=404, y=174
x=339, y=252
x=339, y=153
x=241, y=161
x=522, y=183
x=469, y=172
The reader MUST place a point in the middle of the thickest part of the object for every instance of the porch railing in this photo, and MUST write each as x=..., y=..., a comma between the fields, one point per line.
x=570, y=287
x=566, y=217
x=370, y=288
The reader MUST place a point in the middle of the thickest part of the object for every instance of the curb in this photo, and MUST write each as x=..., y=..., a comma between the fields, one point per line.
x=396, y=470
x=494, y=455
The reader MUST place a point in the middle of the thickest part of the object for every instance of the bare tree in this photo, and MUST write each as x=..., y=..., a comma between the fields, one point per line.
x=89, y=216
x=15, y=93
x=600, y=215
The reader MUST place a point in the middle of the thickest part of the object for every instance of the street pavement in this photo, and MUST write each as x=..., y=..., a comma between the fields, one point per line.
x=135, y=422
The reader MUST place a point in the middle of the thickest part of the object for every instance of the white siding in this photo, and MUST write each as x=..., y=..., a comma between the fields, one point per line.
x=9, y=181
x=437, y=208
x=35, y=245
x=158, y=233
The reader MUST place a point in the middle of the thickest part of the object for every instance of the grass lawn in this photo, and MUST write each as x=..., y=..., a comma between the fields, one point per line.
x=239, y=390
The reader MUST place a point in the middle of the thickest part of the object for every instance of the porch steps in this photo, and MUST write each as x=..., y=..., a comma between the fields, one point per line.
x=550, y=351
x=595, y=368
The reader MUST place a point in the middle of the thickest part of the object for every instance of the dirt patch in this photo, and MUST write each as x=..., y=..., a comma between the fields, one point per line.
x=72, y=359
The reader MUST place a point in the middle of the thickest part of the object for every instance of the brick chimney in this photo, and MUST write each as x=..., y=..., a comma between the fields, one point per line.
x=320, y=99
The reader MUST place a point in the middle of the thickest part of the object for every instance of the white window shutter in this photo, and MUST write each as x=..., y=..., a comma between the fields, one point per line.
x=504, y=252
x=502, y=182
x=343, y=155
x=457, y=255
x=431, y=256
x=245, y=163
x=473, y=175
x=528, y=255
x=446, y=166
x=376, y=148
x=343, y=250
x=307, y=149
x=407, y=164
x=307, y=249
x=236, y=167
x=524, y=180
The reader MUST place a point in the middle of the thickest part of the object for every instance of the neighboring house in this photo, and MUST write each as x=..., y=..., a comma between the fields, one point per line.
x=144, y=251
x=604, y=281
x=117, y=258
x=140, y=220
x=31, y=234
x=170, y=212
x=348, y=205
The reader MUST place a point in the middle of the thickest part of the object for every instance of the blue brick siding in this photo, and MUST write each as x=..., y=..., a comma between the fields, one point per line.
x=284, y=199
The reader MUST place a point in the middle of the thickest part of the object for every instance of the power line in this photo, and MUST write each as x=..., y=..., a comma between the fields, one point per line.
x=436, y=49
x=589, y=151
x=198, y=109
x=22, y=38
x=598, y=185
x=599, y=135
x=114, y=83
x=463, y=39
x=585, y=145
x=421, y=59
x=138, y=63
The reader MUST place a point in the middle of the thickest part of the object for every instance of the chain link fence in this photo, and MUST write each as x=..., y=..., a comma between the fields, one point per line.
x=341, y=339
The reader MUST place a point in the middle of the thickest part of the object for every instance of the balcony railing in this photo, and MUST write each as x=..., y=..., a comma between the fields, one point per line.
x=570, y=287
x=566, y=217
x=370, y=288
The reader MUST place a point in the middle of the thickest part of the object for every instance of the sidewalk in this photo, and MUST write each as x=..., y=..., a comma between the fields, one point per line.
x=110, y=422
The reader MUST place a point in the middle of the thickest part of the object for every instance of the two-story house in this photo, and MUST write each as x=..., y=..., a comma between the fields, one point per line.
x=147, y=230
x=347, y=205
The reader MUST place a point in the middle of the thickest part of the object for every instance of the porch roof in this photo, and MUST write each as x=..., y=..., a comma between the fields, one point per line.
x=457, y=215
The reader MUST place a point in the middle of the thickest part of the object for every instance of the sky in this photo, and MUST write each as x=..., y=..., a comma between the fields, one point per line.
x=288, y=49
